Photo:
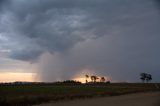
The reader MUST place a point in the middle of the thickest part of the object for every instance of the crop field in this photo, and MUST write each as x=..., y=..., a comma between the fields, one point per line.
x=13, y=95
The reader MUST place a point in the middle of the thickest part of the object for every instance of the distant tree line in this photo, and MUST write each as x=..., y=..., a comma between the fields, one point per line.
x=94, y=78
x=66, y=82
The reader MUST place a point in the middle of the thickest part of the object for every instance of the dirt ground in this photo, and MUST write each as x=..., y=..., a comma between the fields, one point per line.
x=141, y=99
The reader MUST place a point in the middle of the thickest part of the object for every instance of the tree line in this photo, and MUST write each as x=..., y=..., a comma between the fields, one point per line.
x=94, y=78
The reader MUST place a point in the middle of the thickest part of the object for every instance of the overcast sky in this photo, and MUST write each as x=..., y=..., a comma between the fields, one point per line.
x=60, y=39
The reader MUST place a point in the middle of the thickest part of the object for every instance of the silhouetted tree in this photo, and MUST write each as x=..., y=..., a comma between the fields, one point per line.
x=148, y=77
x=94, y=78
x=143, y=77
x=87, y=76
x=102, y=79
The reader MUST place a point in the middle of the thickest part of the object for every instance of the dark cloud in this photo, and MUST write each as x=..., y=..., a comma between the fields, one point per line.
x=26, y=55
x=2, y=2
x=157, y=2
x=110, y=37
x=51, y=28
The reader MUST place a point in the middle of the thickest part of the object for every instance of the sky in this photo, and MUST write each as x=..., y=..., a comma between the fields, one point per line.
x=51, y=40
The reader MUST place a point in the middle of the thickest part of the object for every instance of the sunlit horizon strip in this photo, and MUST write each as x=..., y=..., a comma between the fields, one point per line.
x=13, y=77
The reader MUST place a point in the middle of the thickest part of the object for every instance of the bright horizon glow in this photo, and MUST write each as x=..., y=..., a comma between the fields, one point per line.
x=12, y=77
x=81, y=79
x=88, y=71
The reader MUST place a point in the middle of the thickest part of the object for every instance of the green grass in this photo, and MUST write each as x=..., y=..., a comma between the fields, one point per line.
x=34, y=94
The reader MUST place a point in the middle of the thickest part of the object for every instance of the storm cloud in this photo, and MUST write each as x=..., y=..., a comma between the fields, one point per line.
x=62, y=38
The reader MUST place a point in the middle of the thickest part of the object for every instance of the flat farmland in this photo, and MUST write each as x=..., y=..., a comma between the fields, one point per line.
x=13, y=95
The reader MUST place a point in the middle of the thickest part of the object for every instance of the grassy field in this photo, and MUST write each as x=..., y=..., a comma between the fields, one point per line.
x=12, y=95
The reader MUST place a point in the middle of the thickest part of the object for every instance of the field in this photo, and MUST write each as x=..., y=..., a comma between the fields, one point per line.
x=13, y=95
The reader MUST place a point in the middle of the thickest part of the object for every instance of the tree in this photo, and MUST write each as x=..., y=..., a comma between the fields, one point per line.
x=143, y=77
x=102, y=79
x=94, y=78
x=148, y=77
x=87, y=76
